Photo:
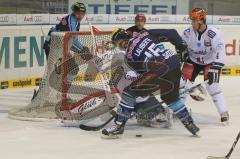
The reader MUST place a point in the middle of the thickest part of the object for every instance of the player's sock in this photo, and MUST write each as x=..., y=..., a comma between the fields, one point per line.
x=219, y=100
x=182, y=113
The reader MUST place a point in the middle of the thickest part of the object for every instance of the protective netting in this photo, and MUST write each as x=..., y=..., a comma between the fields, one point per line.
x=69, y=77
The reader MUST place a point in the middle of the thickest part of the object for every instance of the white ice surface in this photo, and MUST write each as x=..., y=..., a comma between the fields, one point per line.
x=49, y=140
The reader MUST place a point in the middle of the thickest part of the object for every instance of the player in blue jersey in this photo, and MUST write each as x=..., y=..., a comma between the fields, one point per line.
x=70, y=22
x=160, y=70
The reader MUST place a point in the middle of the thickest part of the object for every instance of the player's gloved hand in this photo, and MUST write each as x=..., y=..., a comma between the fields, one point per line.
x=214, y=74
x=131, y=75
x=182, y=52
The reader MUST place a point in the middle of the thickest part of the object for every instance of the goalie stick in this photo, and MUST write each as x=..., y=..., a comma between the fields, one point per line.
x=230, y=151
x=113, y=113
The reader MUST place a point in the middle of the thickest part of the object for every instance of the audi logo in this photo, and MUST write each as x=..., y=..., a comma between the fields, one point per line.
x=4, y=19
x=37, y=18
x=236, y=20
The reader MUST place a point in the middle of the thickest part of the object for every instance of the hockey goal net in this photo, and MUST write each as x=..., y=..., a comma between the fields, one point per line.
x=71, y=89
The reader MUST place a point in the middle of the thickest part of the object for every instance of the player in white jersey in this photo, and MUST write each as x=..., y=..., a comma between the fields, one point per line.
x=206, y=52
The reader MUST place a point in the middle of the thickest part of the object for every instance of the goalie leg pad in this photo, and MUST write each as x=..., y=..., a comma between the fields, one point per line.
x=149, y=109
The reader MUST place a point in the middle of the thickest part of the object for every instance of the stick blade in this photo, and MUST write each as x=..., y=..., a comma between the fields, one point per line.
x=212, y=157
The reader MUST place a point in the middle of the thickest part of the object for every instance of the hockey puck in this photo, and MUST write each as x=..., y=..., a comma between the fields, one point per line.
x=138, y=135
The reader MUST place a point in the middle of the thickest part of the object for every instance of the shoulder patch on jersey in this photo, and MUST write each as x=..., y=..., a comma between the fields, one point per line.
x=64, y=20
x=211, y=34
x=187, y=30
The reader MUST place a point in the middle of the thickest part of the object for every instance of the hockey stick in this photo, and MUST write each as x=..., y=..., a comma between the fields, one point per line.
x=230, y=151
x=96, y=128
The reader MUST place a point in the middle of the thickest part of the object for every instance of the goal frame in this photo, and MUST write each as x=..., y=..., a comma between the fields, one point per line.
x=64, y=105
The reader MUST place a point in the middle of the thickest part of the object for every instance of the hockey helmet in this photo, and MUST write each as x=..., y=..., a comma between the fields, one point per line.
x=140, y=17
x=120, y=34
x=78, y=7
x=198, y=14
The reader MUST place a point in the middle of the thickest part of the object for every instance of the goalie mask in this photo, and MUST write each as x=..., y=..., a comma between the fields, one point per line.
x=120, y=37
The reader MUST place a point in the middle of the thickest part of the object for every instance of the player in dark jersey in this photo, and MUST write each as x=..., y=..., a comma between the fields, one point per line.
x=140, y=21
x=160, y=70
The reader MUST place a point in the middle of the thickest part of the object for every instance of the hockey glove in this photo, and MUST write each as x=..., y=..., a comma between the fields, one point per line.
x=214, y=74
x=182, y=52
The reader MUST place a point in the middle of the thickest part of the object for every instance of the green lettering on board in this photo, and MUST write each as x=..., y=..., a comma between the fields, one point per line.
x=35, y=49
x=19, y=51
x=5, y=49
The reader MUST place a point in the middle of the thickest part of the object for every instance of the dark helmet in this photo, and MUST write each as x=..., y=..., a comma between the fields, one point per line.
x=120, y=34
x=78, y=7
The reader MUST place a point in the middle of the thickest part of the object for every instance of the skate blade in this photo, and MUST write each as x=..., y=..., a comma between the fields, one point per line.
x=111, y=137
x=197, y=135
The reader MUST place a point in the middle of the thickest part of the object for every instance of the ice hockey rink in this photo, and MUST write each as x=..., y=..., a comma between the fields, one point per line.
x=50, y=140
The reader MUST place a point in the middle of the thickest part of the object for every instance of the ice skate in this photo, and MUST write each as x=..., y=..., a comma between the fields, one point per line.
x=114, y=131
x=189, y=124
x=225, y=118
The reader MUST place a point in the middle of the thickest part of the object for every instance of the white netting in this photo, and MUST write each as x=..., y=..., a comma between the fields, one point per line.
x=47, y=103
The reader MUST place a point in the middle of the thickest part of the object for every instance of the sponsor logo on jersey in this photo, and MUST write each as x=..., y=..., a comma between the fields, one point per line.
x=202, y=52
x=207, y=43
